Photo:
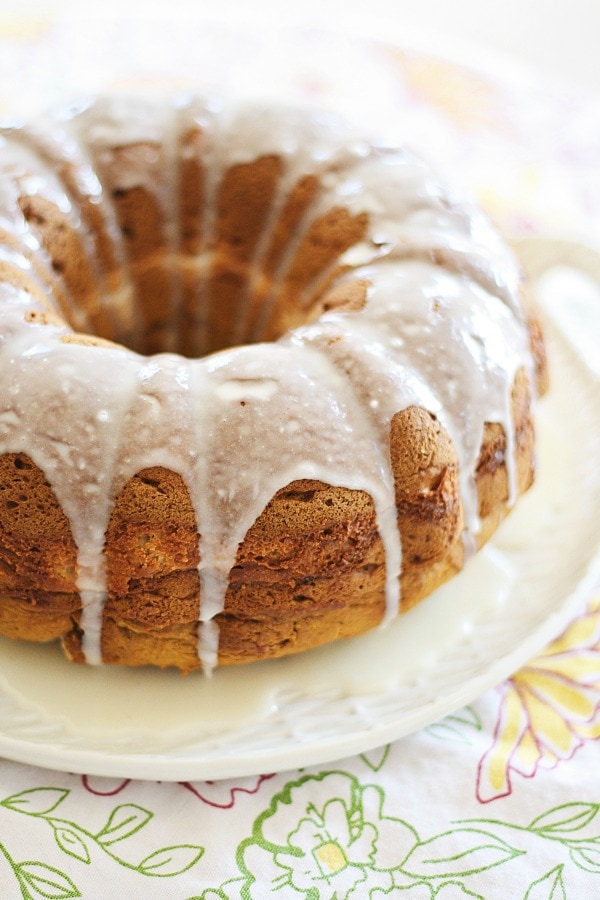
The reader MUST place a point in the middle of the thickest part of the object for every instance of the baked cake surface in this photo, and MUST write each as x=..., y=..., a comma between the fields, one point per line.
x=264, y=382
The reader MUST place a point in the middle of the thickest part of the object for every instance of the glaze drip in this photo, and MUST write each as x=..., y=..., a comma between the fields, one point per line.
x=441, y=326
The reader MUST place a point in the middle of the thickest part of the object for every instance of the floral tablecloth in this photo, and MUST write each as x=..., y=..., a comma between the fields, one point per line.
x=500, y=799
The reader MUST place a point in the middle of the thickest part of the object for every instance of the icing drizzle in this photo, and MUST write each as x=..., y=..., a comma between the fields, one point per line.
x=441, y=328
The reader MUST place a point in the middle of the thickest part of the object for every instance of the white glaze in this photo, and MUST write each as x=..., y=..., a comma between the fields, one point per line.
x=447, y=335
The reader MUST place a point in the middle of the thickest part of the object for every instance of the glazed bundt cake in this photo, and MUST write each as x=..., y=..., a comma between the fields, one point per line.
x=264, y=383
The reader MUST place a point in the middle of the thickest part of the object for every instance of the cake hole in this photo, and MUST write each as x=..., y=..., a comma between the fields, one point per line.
x=195, y=298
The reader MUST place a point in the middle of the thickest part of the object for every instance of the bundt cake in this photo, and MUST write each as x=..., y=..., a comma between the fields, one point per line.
x=263, y=382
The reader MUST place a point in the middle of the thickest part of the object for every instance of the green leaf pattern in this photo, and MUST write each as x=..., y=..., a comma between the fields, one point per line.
x=548, y=887
x=326, y=835
x=123, y=821
x=37, y=801
x=334, y=834
x=565, y=819
x=170, y=861
x=46, y=881
x=38, y=879
x=70, y=842
x=439, y=857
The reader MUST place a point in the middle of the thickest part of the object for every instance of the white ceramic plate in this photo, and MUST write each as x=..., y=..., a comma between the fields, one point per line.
x=512, y=599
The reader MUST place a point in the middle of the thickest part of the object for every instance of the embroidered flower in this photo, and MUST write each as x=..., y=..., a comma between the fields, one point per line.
x=342, y=846
x=451, y=890
x=548, y=709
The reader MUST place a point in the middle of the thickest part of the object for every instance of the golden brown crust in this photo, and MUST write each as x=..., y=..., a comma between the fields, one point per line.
x=310, y=570
x=430, y=514
x=37, y=551
x=38, y=616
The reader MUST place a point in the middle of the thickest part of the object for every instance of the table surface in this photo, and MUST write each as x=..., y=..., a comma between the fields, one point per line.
x=499, y=799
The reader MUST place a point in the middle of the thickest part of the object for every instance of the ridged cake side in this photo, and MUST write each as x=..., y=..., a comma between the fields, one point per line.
x=264, y=382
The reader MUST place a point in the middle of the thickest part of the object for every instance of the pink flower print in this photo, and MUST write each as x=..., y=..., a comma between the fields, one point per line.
x=223, y=794
x=104, y=787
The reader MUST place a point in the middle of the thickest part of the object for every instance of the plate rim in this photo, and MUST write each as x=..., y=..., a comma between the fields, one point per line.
x=184, y=765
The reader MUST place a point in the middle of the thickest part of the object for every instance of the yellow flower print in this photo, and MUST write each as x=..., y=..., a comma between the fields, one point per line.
x=22, y=27
x=18, y=30
x=466, y=97
x=549, y=709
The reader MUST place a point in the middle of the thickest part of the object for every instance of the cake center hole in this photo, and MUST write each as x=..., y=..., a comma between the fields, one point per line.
x=167, y=312
x=176, y=292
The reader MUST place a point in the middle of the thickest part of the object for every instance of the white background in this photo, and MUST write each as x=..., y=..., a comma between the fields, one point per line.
x=558, y=37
